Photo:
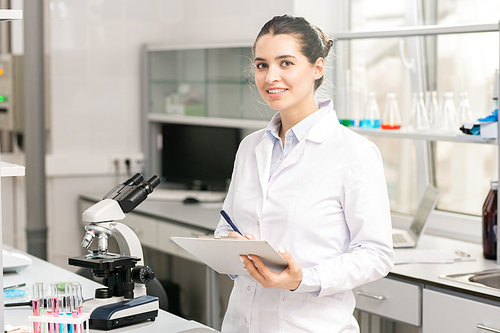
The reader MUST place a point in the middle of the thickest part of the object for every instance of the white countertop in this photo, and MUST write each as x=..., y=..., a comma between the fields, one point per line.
x=42, y=271
x=428, y=274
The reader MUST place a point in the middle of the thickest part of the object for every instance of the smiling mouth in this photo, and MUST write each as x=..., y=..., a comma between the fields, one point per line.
x=276, y=91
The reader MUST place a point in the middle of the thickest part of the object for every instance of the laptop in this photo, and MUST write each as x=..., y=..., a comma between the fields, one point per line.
x=409, y=238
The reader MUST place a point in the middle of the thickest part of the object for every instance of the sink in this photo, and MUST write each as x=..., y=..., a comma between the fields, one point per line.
x=489, y=278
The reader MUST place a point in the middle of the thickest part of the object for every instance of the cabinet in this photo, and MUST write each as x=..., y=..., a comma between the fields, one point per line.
x=198, y=85
x=392, y=299
x=447, y=313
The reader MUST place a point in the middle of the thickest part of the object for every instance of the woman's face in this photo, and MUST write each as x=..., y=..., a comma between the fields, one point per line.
x=284, y=76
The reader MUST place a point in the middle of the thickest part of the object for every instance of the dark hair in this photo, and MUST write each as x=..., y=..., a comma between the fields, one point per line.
x=313, y=42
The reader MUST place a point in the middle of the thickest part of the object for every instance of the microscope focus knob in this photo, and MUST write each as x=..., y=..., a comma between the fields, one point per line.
x=142, y=274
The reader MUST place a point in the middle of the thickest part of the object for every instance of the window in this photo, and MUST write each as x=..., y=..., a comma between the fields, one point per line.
x=456, y=63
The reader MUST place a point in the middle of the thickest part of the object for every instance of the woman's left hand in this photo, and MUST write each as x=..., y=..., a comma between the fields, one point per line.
x=290, y=278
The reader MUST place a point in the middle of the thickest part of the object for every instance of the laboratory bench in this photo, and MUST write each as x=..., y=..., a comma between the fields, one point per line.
x=42, y=271
x=413, y=294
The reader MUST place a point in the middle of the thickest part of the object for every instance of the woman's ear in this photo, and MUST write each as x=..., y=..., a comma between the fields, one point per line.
x=319, y=68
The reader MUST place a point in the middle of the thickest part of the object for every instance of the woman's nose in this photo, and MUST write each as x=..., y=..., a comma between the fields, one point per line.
x=272, y=75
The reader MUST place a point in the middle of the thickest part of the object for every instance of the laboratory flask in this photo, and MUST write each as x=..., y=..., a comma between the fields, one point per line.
x=464, y=113
x=419, y=113
x=371, y=118
x=435, y=117
x=490, y=223
x=449, y=114
x=391, y=118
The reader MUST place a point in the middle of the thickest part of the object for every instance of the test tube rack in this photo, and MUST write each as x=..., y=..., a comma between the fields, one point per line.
x=63, y=318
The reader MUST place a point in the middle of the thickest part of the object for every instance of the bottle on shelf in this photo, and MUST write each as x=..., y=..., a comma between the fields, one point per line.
x=391, y=118
x=490, y=223
x=371, y=118
x=419, y=113
x=464, y=113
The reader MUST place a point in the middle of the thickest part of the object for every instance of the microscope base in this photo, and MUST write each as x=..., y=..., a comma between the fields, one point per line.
x=112, y=315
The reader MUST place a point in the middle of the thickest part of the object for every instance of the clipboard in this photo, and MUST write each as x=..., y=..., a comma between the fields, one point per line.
x=222, y=254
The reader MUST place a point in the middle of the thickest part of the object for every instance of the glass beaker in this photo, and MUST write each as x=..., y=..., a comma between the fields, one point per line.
x=464, y=113
x=371, y=118
x=419, y=113
x=391, y=118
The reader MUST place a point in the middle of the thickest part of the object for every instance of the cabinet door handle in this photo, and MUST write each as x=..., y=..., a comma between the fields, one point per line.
x=486, y=328
x=372, y=296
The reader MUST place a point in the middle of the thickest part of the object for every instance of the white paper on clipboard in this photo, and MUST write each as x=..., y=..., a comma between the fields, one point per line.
x=222, y=255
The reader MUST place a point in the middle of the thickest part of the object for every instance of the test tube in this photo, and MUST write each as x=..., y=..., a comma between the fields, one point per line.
x=78, y=298
x=54, y=306
x=78, y=294
x=37, y=304
x=60, y=301
x=70, y=305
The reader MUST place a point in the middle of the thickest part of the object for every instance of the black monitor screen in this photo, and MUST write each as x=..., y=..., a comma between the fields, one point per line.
x=200, y=155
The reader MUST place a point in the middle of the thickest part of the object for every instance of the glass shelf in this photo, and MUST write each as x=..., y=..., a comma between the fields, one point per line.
x=208, y=121
x=429, y=136
x=229, y=81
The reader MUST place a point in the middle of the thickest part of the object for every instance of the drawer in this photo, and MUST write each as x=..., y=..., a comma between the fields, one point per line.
x=165, y=244
x=449, y=313
x=391, y=299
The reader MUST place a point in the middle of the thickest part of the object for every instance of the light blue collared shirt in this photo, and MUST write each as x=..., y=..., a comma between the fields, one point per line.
x=293, y=136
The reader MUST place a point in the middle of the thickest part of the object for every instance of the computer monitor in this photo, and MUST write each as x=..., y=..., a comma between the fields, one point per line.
x=198, y=156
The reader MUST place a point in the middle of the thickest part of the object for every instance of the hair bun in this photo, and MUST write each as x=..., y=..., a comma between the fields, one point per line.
x=328, y=46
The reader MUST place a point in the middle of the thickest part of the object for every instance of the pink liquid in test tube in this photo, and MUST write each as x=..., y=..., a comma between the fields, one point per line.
x=36, y=312
x=37, y=304
x=54, y=300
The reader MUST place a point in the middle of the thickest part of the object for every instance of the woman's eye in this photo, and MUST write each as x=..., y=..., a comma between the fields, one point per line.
x=260, y=66
x=286, y=63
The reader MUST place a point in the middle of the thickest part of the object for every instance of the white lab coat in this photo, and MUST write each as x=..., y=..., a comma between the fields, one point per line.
x=327, y=204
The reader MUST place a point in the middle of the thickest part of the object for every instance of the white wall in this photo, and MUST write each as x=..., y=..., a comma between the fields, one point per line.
x=94, y=69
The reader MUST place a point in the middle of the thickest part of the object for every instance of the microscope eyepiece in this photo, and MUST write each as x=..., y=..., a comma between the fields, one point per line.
x=150, y=184
x=135, y=180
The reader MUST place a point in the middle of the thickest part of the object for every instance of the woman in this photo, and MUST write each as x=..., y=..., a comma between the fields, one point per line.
x=312, y=189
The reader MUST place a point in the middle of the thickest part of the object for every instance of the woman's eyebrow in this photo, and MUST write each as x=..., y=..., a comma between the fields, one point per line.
x=285, y=56
x=277, y=58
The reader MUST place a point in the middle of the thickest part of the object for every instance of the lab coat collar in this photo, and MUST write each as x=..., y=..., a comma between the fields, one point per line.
x=271, y=129
x=318, y=133
x=326, y=126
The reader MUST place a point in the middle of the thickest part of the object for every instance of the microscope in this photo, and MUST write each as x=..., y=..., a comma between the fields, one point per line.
x=123, y=301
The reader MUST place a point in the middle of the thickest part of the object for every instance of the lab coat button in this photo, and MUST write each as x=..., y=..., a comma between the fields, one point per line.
x=248, y=288
x=258, y=222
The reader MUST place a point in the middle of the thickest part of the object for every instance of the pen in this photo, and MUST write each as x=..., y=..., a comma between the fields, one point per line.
x=228, y=220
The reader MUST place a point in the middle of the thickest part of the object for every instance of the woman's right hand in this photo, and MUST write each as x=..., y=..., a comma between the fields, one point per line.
x=240, y=237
